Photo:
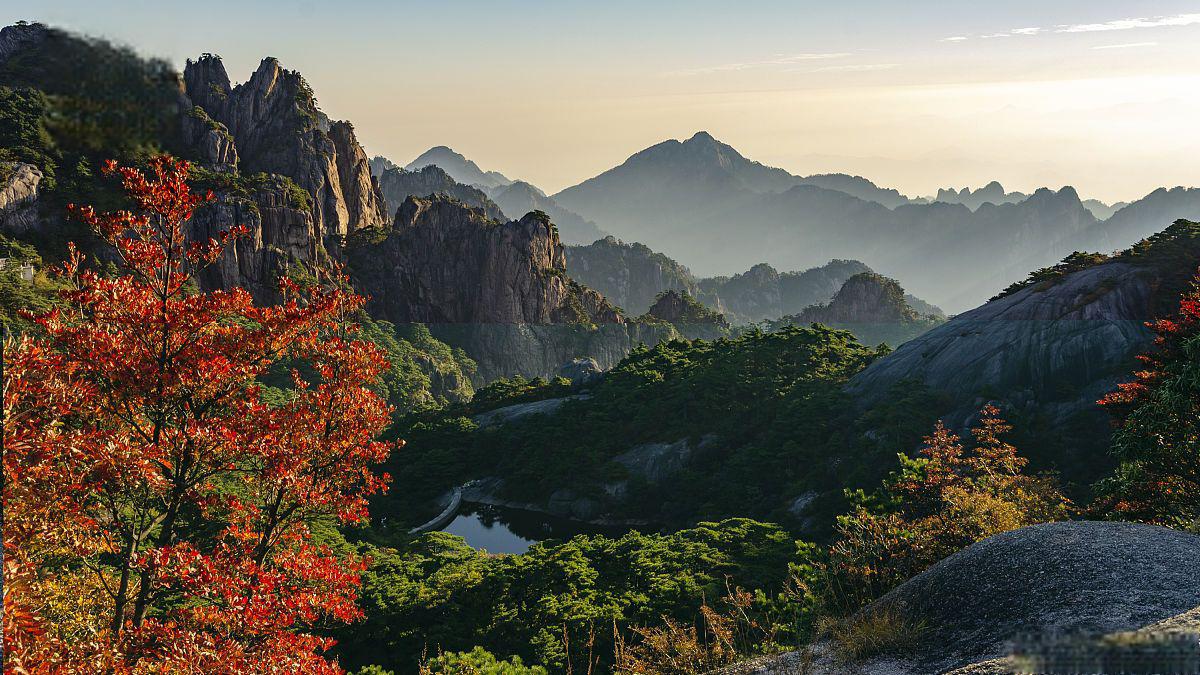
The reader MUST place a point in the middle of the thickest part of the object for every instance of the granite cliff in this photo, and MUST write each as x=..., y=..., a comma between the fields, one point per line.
x=444, y=262
x=1046, y=583
x=277, y=128
x=499, y=290
x=1050, y=349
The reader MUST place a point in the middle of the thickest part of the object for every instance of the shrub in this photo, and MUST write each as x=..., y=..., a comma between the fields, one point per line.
x=937, y=504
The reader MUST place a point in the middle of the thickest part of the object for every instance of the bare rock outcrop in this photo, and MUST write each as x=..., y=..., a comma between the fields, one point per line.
x=19, y=198
x=208, y=139
x=20, y=35
x=442, y=262
x=280, y=234
x=1059, y=345
x=1088, y=578
x=277, y=129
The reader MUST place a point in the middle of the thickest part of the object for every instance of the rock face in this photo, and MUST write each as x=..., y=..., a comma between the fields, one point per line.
x=280, y=234
x=398, y=185
x=581, y=371
x=1056, y=347
x=656, y=462
x=209, y=139
x=19, y=198
x=444, y=263
x=277, y=128
x=520, y=410
x=1064, y=578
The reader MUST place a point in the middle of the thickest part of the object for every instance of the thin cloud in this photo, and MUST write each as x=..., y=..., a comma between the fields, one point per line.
x=1127, y=45
x=1114, y=25
x=1129, y=24
x=781, y=60
x=855, y=68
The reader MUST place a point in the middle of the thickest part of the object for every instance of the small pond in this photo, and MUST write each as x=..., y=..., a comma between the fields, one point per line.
x=498, y=529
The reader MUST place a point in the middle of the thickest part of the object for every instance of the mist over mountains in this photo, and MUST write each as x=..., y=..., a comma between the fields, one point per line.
x=704, y=204
x=515, y=197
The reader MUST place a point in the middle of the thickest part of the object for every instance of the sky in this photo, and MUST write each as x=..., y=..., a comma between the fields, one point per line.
x=914, y=95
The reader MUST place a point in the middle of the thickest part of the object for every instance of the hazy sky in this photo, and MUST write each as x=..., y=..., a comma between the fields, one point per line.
x=914, y=95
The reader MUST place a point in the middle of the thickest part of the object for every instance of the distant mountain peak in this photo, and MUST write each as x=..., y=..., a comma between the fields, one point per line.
x=459, y=167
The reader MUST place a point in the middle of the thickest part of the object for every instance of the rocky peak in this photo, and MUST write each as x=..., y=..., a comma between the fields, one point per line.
x=682, y=309
x=380, y=164
x=20, y=35
x=443, y=262
x=276, y=128
x=459, y=167
x=992, y=193
x=206, y=81
x=864, y=298
x=365, y=204
x=631, y=275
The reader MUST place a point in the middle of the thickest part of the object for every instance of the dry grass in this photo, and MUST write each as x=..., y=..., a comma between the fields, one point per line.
x=882, y=630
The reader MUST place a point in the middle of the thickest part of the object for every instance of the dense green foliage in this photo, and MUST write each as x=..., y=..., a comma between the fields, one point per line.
x=23, y=134
x=1048, y=275
x=16, y=294
x=78, y=101
x=438, y=594
x=1157, y=441
x=425, y=372
x=684, y=311
x=769, y=404
x=244, y=186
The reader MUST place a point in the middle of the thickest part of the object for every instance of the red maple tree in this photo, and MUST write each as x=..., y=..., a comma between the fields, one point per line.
x=159, y=510
x=1157, y=436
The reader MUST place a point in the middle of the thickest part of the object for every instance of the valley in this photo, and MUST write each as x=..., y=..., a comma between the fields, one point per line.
x=275, y=403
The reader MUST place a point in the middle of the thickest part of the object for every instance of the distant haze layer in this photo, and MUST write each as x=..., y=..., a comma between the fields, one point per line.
x=922, y=95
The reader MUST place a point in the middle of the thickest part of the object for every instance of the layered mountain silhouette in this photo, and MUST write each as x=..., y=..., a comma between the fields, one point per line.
x=515, y=197
x=518, y=198
x=717, y=212
x=459, y=167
